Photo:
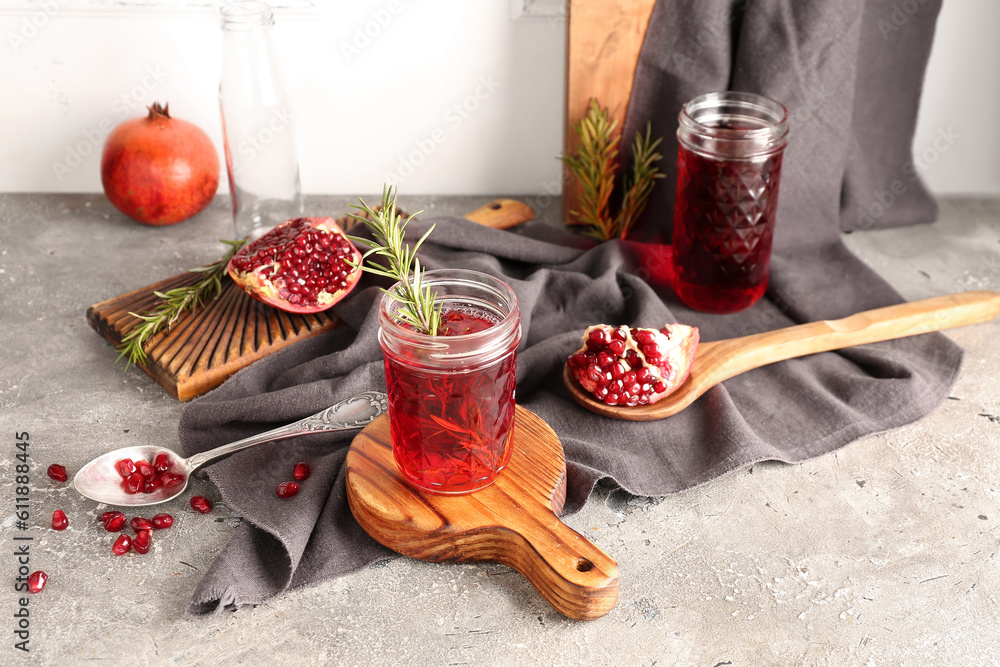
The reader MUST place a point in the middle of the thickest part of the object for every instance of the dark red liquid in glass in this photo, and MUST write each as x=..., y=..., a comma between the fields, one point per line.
x=451, y=430
x=723, y=229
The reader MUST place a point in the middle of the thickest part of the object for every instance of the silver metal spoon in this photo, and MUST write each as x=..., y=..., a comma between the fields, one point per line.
x=100, y=481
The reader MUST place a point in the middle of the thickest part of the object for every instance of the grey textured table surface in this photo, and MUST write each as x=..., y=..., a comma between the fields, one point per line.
x=884, y=553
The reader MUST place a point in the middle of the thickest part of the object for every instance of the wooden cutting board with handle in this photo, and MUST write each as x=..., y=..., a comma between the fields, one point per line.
x=205, y=347
x=514, y=521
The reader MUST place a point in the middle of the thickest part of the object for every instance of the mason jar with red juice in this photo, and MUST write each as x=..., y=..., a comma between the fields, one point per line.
x=451, y=395
x=731, y=146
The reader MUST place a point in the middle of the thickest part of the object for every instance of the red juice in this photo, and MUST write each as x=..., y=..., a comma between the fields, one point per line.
x=723, y=229
x=452, y=428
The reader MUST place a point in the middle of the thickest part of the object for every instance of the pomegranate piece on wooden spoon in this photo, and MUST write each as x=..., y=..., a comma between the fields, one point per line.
x=304, y=265
x=634, y=366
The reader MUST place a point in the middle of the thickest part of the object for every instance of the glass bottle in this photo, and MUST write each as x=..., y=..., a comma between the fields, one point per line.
x=451, y=396
x=257, y=125
x=728, y=173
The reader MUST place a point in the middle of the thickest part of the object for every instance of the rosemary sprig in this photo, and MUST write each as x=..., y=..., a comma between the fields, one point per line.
x=175, y=302
x=417, y=301
x=640, y=185
x=595, y=166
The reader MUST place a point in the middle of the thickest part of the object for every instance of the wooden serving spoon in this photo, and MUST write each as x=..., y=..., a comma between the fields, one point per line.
x=720, y=360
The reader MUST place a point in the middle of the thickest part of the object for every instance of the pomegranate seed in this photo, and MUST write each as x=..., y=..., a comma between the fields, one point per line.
x=301, y=471
x=161, y=521
x=594, y=373
x=163, y=462
x=57, y=472
x=142, y=541
x=151, y=484
x=122, y=545
x=169, y=479
x=106, y=515
x=37, y=581
x=599, y=336
x=201, y=504
x=140, y=524
x=133, y=484
x=287, y=489
x=59, y=520
x=617, y=347
x=644, y=337
x=125, y=467
x=115, y=522
x=144, y=469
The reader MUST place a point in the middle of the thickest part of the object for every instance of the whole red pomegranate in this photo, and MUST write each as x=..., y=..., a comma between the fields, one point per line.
x=159, y=170
x=304, y=265
x=634, y=366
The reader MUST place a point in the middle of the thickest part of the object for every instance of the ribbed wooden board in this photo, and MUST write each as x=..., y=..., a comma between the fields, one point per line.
x=513, y=521
x=204, y=348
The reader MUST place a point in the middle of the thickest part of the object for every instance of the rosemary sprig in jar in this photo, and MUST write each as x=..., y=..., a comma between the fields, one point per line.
x=175, y=302
x=417, y=301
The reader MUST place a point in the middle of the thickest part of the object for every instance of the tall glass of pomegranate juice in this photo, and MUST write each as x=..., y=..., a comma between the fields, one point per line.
x=451, y=396
x=728, y=171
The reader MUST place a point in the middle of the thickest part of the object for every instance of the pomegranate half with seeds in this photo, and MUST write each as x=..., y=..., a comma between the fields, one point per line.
x=304, y=265
x=634, y=366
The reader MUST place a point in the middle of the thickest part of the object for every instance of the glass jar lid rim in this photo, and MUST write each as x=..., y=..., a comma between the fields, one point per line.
x=248, y=13
x=764, y=108
x=509, y=320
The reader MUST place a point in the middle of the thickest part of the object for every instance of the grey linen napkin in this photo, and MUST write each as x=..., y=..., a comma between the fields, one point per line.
x=790, y=412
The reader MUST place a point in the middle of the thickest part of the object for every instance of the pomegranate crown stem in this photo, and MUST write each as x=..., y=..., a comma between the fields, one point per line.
x=155, y=110
x=418, y=303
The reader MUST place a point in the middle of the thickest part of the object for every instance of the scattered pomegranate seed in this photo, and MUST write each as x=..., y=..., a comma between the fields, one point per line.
x=125, y=467
x=142, y=541
x=144, y=469
x=301, y=471
x=162, y=521
x=163, y=462
x=115, y=522
x=57, y=472
x=37, y=581
x=59, y=520
x=287, y=489
x=122, y=545
x=139, y=524
x=106, y=515
x=201, y=504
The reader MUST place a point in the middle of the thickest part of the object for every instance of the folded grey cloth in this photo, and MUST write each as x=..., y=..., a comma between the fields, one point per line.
x=790, y=411
x=849, y=72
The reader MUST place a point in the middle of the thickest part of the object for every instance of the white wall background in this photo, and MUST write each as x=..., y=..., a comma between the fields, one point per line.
x=378, y=104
